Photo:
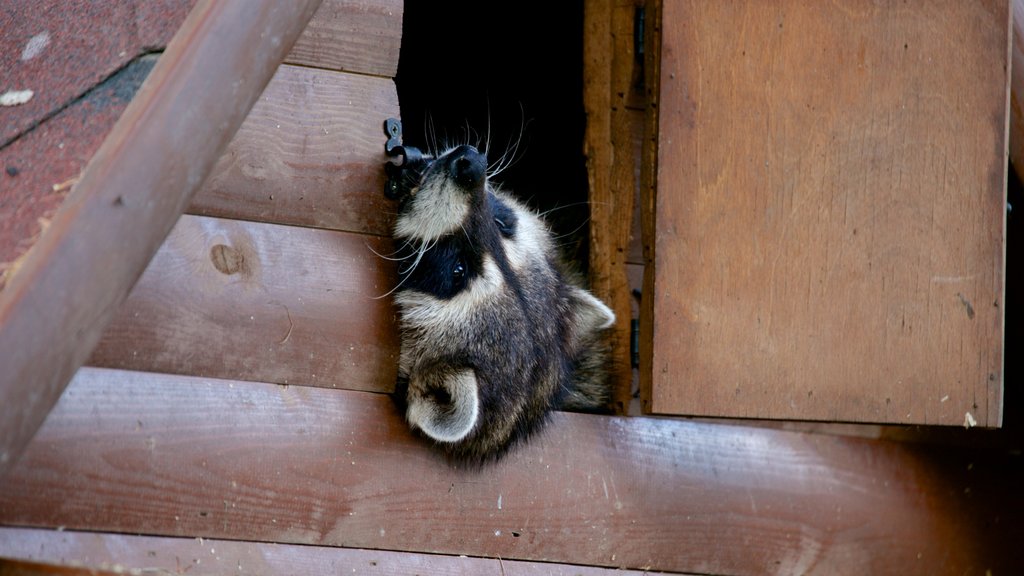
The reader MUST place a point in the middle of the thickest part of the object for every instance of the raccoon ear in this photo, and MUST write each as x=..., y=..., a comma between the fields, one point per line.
x=443, y=403
x=590, y=313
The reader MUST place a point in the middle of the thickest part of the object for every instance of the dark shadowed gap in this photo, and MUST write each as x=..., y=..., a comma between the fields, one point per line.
x=512, y=69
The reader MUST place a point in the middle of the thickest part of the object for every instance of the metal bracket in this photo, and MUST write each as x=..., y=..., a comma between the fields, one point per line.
x=401, y=157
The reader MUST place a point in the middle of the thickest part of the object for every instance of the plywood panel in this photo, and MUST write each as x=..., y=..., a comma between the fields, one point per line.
x=829, y=236
x=310, y=153
x=170, y=455
x=233, y=299
x=205, y=556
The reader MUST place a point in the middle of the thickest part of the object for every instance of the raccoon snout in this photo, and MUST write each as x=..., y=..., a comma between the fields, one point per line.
x=467, y=166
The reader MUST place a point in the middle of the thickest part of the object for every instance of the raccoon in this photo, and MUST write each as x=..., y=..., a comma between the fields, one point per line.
x=495, y=330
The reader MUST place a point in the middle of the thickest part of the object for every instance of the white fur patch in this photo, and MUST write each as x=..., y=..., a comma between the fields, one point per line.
x=530, y=241
x=425, y=310
x=443, y=423
x=436, y=209
x=591, y=313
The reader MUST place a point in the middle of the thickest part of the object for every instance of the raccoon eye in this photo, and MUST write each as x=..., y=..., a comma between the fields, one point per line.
x=459, y=270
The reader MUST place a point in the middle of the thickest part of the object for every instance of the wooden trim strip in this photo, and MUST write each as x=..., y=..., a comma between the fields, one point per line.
x=188, y=555
x=165, y=144
x=176, y=456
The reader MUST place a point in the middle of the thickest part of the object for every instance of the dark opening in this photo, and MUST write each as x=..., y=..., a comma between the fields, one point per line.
x=506, y=72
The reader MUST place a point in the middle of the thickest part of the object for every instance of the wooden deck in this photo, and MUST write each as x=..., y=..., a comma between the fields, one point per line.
x=144, y=453
x=235, y=416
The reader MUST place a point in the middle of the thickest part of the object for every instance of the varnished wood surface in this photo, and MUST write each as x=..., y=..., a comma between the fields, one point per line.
x=254, y=301
x=57, y=304
x=310, y=153
x=205, y=556
x=166, y=455
x=829, y=242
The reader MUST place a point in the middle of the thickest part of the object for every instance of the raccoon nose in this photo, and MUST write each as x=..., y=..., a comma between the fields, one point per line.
x=467, y=166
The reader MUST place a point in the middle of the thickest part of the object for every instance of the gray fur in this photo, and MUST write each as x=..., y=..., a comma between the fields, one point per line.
x=488, y=314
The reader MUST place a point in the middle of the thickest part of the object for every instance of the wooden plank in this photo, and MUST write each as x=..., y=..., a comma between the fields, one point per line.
x=608, y=71
x=54, y=309
x=252, y=301
x=176, y=555
x=310, y=153
x=1017, y=89
x=831, y=212
x=361, y=36
x=176, y=456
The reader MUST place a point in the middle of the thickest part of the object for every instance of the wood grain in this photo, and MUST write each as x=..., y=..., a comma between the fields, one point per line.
x=55, y=307
x=177, y=456
x=202, y=555
x=608, y=72
x=310, y=153
x=230, y=299
x=361, y=36
x=1017, y=89
x=830, y=211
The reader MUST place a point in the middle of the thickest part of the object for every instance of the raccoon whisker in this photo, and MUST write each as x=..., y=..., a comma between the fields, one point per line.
x=563, y=207
x=431, y=134
x=511, y=155
x=404, y=274
x=466, y=232
x=419, y=256
x=389, y=256
x=572, y=232
x=487, y=141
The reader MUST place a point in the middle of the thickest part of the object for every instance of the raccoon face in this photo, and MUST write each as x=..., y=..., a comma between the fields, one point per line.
x=494, y=334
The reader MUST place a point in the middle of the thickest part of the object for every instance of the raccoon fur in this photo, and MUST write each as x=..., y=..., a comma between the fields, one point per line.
x=495, y=331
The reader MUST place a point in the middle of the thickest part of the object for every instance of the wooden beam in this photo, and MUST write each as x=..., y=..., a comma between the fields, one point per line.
x=130, y=195
x=163, y=555
x=177, y=456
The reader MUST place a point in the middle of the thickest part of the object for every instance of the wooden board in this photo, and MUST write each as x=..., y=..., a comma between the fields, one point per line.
x=1016, y=146
x=231, y=299
x=206, y=556
x=361, y=36
x=310, y=153
x=609, y=146
x=177, y=456
x=829, y=236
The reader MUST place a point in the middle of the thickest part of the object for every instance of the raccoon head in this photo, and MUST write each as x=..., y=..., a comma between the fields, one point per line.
x=495, y=334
